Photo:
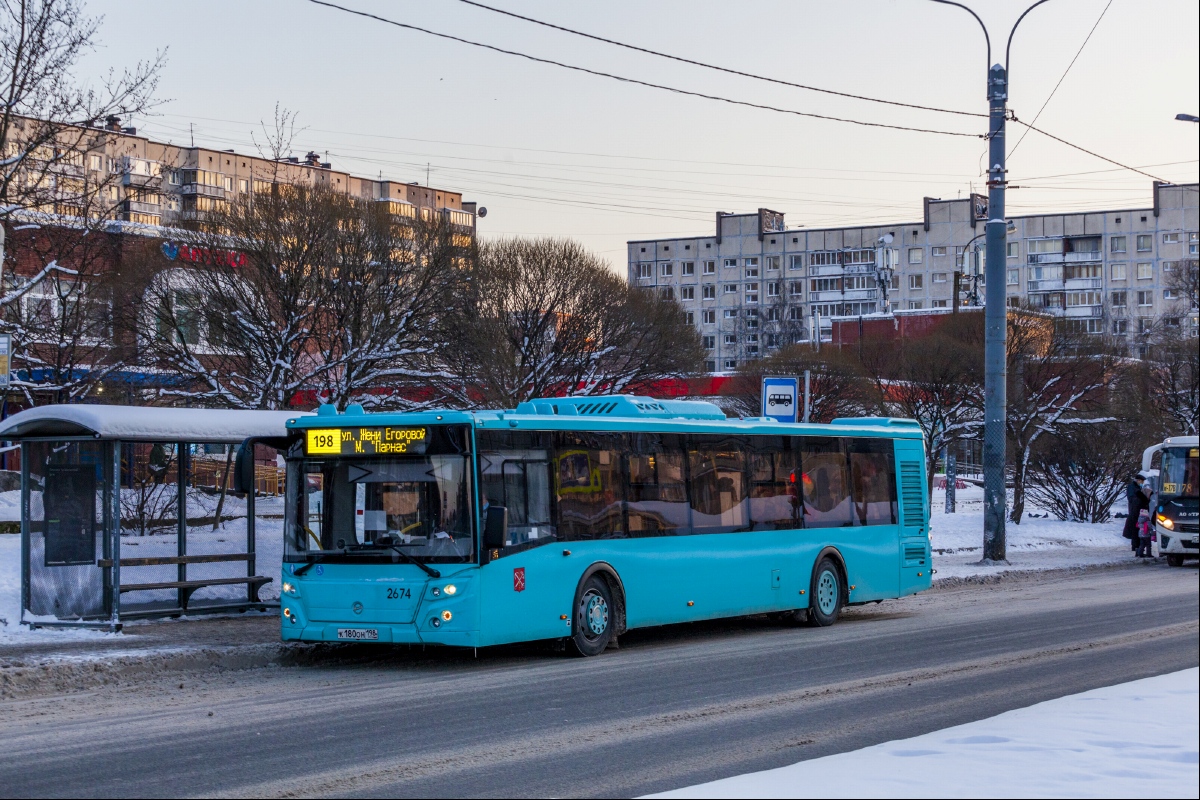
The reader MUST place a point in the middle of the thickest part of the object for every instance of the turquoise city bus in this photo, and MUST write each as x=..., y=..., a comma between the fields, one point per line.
x=580, y=518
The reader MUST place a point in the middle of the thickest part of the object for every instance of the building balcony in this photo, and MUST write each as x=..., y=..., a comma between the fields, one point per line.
x=1076, y=312
x=859, y=269
x=1066, y=258
x=202, y=190
x=1044, y=286
x=826, y=269
x=141, y=207
x=1082, y=283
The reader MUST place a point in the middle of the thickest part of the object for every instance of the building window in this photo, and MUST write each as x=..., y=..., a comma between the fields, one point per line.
x=773, y=263
x=1083, y=298
x=751, y=262
x=243, y=185
x=708, y=316
x=1120, y=326
x=709, y=342
x=1167, y=266
x=1014, y=249
x=939, y=277
x=1116, y=244
x=1119, y=271
x=687, y=293
x=1145, y=271
x=1145, y=298
x=796, y=314
x=1013, y=277
x=729, y=313
x=751, y=272
x=915, y=305
x=938, y=251
x=939, y=304
x=773, y=289
x=691, y=317
x=666, y=269
x=731, y=288
x=1013, y=302
x=1171, y=238
x=1144, y=242
x=796, y=288
x=710, y=366
x=710, y=268
x=916, y=282
x=895, y=283
x=1118, y=299
x=730, y=263
x=710, y=291
x=687, y=269
x=916, y=255
x=1170, y=294
x=730, y=338
x=666, y=292
x=797, y=262
x=731, y=363
x=645, y=270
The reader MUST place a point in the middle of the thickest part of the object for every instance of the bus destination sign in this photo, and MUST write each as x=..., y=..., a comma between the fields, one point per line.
x=366, y=441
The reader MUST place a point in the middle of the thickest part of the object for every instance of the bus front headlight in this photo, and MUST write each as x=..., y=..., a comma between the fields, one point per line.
x=1166, y=522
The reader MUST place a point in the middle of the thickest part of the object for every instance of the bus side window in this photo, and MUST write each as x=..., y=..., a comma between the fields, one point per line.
x=872, y=481
x=657, y=501
x=825, y=489
x=588, y=485
x=718, y=485
x=773, y=501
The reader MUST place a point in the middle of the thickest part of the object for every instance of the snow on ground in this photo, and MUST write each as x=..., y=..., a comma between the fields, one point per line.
x=1136, y=739
x=1037, y=543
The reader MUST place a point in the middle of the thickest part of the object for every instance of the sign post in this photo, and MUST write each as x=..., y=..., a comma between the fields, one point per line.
x=5, y=359
x=780, y=398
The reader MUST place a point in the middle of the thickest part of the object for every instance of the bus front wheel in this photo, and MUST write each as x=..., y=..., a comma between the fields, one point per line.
x=592, y=626
x=827, y=595
x=1174, y=561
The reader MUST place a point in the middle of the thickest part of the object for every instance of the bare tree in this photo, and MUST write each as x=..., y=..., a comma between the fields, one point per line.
x=1081, y=471
x=933, y=380
x=1184, y=283
x=57, y=176
x=544, y=317
x=242, y=327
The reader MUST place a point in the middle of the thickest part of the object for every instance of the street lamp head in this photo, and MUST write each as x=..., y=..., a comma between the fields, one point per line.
x=886, y=238
x=1187, y=118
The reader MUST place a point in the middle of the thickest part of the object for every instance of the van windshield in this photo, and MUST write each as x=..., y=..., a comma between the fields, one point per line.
x=1180, y=472
x=366, y=508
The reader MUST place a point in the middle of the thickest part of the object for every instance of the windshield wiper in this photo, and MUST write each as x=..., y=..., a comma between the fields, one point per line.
x=312, y=559
x=430, y=571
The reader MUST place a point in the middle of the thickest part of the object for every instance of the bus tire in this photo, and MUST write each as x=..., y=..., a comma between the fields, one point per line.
x=827, y=594
x=594, y=620
x=1174, y=561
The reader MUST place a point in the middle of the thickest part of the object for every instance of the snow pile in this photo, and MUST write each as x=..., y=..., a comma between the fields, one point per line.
x=1135, y=739
x=1037, y=543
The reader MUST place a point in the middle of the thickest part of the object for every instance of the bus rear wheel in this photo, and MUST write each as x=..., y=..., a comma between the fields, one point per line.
x=592, y=626
x=827, y=594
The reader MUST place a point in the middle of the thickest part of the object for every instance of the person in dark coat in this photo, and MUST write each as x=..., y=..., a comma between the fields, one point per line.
x=1137, y=500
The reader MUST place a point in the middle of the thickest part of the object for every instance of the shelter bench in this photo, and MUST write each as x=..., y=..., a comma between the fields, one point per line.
x=254, y=582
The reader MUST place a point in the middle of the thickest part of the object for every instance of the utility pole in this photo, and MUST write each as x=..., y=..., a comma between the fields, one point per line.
x=995, y=307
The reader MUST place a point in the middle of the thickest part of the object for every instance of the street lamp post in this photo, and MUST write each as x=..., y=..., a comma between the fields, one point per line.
x=995, y=310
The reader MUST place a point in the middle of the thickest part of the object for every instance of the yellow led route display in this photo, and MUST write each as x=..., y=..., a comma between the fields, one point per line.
x=365, y=441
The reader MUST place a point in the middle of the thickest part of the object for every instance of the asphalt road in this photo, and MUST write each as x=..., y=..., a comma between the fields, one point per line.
x=672, y=707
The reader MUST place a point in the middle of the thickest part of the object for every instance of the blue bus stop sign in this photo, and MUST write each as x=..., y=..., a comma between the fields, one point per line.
x=781, y=398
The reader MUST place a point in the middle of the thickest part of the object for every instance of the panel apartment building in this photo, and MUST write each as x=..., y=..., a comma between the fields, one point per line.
x=755, y=285
x=161, y=183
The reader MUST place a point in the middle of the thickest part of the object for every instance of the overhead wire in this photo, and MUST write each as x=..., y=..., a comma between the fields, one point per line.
x=1050, y=97
x=715, y=67
x=639, y=82
x=1092, y=153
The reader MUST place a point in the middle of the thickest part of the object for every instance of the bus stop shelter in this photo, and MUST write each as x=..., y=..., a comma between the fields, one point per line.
x=130, y=512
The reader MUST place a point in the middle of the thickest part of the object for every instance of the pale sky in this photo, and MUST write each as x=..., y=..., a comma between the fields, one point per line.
x=552, y=152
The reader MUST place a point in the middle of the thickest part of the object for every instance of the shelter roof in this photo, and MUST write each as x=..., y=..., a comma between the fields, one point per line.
x=146, y=424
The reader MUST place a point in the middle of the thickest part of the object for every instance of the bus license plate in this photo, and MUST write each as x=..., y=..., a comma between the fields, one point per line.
x=359, y=634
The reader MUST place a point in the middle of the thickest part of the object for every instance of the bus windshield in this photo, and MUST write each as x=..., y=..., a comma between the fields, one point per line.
x=1180, y=472
x=357, y=509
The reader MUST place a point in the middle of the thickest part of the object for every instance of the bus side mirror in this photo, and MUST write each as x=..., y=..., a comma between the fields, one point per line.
x=495, y=528
x=243, y=468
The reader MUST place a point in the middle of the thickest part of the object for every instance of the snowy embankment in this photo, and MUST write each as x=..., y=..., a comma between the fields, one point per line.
x=1037, y=543
x=1136, y=739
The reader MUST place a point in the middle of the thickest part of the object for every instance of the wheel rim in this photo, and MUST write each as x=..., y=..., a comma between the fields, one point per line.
x=593, y=612
x=827, y=592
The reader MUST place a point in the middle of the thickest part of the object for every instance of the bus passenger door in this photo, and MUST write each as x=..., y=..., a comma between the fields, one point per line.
x=916, y=558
